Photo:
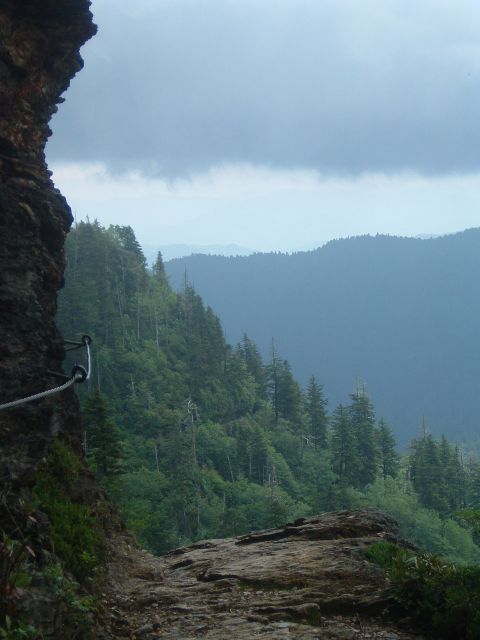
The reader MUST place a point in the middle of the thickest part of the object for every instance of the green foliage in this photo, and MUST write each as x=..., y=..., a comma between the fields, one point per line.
x=316, y=410
x=420, y=525
x=438, y=474
x=78, y=606
x=362, y=418
x=471, y=517
x=445, y=598
x=343, y=446
x=386, y=553
x=389, y=460
x=75, y=534
x=402, y=309
x=17, y=630
x=202, y=439
x=14, y=576
x=102, y=437
x=442, y=597
x=13, y=561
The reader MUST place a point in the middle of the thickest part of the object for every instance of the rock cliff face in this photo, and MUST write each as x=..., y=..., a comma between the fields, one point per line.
x=39, y=54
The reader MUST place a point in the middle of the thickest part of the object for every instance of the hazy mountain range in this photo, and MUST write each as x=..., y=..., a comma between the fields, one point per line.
x=401, y=315
x=172, y=251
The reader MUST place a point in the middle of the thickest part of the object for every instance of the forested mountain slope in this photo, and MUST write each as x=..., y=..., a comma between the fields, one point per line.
x=195, y=438
x=399, y=314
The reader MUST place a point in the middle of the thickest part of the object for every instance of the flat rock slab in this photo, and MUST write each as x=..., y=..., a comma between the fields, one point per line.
x=308, y=579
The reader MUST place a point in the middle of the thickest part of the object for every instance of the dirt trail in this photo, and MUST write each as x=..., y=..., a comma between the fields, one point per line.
x=306, y=580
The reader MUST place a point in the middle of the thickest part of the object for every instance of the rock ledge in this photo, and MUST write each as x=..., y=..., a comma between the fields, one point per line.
x=308, y=579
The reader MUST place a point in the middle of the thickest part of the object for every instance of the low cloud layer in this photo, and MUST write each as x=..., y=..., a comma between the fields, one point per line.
x=175, y=87
x=270, y=210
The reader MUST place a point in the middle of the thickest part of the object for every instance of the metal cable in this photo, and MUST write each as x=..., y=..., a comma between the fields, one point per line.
x=78, y=375
x=87, y=341
x=42, y=394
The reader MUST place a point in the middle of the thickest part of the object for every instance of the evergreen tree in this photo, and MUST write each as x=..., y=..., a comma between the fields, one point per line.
x=426, y=474
x=158, y=268
x=389, y=459
x=473, y=485
x=103, y=440
x=240, y=385
x=362, y=415
x=343, y=449
x=273, y=380
x=316, y=409
x=248, y=350
x=454, y=480
x=288, y=396
x=129, y=242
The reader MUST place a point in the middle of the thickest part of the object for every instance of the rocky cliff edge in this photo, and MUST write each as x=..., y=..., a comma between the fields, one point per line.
x=309, y=579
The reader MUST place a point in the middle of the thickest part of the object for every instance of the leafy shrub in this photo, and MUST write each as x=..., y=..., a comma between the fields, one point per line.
x=78, y=605
x=17, y=630
x=383, y=553
x=442, y=597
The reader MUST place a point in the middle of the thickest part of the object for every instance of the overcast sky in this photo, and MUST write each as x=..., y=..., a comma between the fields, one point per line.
x=275, y=124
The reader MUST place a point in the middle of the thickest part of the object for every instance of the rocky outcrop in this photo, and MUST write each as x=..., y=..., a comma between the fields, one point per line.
x=308, y=580
x=39, y=54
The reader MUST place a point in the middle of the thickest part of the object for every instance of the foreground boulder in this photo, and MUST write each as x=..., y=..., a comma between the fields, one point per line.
x=309, y=579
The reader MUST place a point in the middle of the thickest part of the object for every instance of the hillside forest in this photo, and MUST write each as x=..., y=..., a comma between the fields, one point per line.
x=402, y=314
x=195, y=438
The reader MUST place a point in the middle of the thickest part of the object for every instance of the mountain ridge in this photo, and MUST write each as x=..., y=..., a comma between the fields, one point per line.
x=392, y=312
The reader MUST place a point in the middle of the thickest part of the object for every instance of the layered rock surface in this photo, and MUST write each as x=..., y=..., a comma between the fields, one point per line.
x=309, y=580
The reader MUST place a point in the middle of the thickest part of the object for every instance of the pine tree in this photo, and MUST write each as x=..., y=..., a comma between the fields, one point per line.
x=389, y=459
x=158, y=268
x=343, y=449
x=362, y=415
x=427, y=474
x=273, y=374
x=289, y=396
x=251, y=355
x=454, y=481
x=103, y=440
x=315, y=407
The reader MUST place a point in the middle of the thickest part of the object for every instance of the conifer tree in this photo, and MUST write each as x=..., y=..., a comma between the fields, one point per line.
x=289, y=396
x=273, y=376
x=103, y=440
x=389, y=459
x=454, y=481
x=362, y=415
x=315, y=406
x=158, y=268
x=427, y=474
x=343, y=449
x=250, y=354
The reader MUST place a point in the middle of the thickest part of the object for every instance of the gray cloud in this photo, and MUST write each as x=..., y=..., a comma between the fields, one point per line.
x=178, y=86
